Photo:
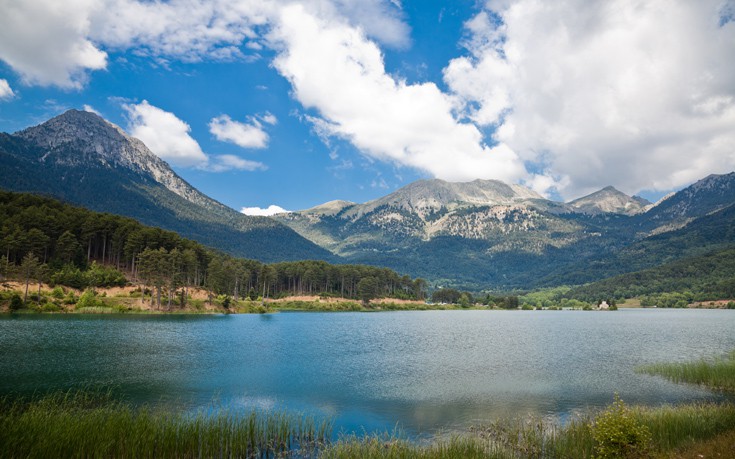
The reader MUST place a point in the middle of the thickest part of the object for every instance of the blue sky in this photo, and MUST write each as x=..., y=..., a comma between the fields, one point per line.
x=295, y=103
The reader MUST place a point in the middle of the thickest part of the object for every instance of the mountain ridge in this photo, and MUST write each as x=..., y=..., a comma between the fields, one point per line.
x=85, y=160
x=479, y=234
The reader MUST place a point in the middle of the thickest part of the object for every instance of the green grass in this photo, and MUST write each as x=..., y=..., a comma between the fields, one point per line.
x=717, y=374
x=670, y=427
x=83, y=425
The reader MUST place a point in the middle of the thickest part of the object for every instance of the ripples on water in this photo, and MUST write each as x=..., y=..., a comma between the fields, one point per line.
x=422, y=370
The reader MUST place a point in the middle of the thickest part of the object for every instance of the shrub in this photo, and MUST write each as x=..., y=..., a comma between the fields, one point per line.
x=88, y=300
x=16, y=302
x=619, y=434
x=50, y=307
x=57, y=293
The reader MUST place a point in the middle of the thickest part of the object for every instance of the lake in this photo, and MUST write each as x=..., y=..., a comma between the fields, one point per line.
x=420, y=370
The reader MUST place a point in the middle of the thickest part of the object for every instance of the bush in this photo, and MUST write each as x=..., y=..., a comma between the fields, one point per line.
x=57, y=293
x=618, y=434
x=50, y=307
x=16, y=302
x=88, y=300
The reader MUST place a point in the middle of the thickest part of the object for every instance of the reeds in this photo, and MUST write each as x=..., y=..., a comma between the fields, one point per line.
x=716, y=374
x=671, y=427
x=82, y=425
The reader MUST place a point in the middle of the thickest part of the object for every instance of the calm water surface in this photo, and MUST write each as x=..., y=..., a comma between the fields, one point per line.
x=420, y=370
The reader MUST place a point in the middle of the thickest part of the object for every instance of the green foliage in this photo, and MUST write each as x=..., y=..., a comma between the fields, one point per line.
x=57, y=293
x=92, y=425
x=619, y=434
x=671, y=285
x=89, y=300
x=464, y=300
x=716, y=374
x=446, y=295
x=367, y=289
x=82, y=247
x=95, y=276
x=16, y=303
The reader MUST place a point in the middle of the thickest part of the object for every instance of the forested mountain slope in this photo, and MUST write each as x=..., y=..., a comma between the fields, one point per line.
x=82, y=159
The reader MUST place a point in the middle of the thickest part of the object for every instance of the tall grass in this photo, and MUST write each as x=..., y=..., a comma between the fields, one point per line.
x=671, y=427
x=82, y=425
x=717, y=374
x=78, y=424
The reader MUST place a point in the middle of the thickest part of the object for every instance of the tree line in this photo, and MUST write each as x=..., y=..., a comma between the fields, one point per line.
x=46, y=240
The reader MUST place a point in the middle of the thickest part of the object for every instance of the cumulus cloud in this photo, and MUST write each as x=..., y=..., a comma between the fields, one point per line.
x=245, y=135
x=639, y=94
x=5, y=91
x=164, y=134
x=168, y=137
x=263, y=212
x=336, y=70
x=48, y=42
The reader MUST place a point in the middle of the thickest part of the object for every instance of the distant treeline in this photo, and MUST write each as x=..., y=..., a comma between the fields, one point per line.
x=44, y=239
x=675, y=284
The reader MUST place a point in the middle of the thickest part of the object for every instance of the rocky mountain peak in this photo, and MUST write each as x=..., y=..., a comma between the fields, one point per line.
x=707, y=195
x=82, y=138
x=609, y=200
x=434, y=194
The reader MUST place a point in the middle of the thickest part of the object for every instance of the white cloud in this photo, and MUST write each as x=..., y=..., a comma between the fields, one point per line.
x=263, y=212
x=5, y=91
x=164, y=134
x=90, y=109
x=47, y=41
x=222, y=163
x=51, y=42
x=636, y=94
x=244, y=135
x=337, y=71
x=190, y=30
x=269, y=118
x=168, y=137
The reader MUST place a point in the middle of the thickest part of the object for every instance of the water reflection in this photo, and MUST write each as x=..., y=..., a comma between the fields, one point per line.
x=422, y=370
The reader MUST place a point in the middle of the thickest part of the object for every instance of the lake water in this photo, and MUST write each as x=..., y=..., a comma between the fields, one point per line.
x=422, y=371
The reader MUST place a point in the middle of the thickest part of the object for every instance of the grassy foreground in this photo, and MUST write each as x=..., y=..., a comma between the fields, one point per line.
x=82, y=425
x=718, y=374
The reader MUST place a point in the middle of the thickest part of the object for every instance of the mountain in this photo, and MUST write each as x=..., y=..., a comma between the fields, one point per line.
x=484, y=210
x=481, y=233
x=489, y=234
x=708, y=195
x=475, y=235
x=82, y=159
x=609, y=200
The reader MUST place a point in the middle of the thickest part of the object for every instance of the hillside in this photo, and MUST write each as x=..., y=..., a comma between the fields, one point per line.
x=44, y=239
x=82, y=159
x=699, y=278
